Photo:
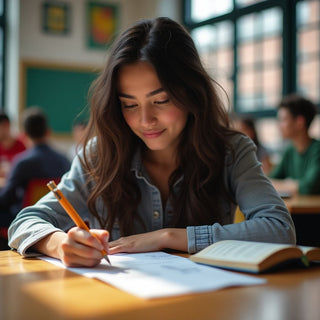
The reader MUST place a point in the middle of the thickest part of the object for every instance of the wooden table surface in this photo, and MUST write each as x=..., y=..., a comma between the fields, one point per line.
x=303, y=204
x=305, y=212
x=35, y=289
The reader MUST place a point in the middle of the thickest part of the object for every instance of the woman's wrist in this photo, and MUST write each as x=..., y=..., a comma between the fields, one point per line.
x=174, y=238
x=51, y=244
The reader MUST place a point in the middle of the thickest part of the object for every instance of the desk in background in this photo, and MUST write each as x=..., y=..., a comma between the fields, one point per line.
x=303, y=204
x=305, y=212
x=35, y=289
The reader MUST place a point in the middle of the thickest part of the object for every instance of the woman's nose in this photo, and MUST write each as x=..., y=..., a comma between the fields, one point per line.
x=147, y=116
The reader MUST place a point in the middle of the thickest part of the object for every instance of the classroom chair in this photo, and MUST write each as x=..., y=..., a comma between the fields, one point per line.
x=36, y=189
x=238, y=216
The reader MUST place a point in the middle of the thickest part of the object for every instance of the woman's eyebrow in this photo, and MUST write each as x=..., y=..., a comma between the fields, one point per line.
x=154, y=92
x=124, y=95
x=148, y=95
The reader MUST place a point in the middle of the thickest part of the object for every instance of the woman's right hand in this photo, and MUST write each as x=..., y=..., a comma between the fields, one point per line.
x=76, y=248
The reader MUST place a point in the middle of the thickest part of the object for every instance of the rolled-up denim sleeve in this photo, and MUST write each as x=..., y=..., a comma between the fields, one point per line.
x=199, y=237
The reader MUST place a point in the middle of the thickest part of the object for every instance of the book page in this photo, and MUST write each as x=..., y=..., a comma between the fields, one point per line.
x=158, y=274
x=313, y=253
x=305, y=249
x=240, y=251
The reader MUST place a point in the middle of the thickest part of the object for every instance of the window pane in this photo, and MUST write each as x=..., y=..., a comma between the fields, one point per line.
x=308, y=42
x=215, y=46
x=308, y=51
x=272, y=85
x=246, y=27
x=246, y=53
x=224, y=59
x=242, y=3
x=267, y=22
x=259, y=60
x=249, y=85
x=271, y=21
x=307, y=12
x=205, y=9
x=213, y=36
x=309, y=79
x=272, y=49
x=246, y=82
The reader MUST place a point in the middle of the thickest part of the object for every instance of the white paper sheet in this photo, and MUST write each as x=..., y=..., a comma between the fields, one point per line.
x=158, y=274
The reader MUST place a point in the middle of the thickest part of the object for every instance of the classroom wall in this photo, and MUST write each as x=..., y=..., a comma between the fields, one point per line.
x=71, y=48
x=28, y=42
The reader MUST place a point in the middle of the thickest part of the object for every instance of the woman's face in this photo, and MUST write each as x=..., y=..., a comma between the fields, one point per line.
x=147, y=109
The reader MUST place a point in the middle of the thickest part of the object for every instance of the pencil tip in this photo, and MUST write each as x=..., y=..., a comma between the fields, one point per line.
x=107, y=259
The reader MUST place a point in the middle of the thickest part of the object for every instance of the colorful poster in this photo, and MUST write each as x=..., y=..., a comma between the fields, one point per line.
x=102, y=24
x=56, y=18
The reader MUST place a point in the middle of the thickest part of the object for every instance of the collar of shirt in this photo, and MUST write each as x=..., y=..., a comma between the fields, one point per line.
x=140, y=172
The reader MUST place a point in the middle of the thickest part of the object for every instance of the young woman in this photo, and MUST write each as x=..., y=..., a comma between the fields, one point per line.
x=160, y=167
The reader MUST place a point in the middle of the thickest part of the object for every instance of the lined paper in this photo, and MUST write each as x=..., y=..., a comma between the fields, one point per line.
x=158, y=274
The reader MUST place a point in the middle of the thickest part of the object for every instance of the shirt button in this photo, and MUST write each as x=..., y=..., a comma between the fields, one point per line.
x=156, y=214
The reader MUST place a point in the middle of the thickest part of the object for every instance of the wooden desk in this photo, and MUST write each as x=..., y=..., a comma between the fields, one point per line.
x=35, y=289
x=303, y=204
x=305, y=212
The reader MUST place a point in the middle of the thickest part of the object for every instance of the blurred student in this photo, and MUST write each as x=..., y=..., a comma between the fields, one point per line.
x=299, y=168
x=9, y=145
x=78, y=131
x=39, y=161
x=247, y=127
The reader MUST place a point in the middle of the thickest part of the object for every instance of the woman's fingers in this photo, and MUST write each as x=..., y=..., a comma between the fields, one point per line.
x=84, y=248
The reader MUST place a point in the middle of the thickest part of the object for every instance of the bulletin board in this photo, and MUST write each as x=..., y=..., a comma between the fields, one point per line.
x=61, y=91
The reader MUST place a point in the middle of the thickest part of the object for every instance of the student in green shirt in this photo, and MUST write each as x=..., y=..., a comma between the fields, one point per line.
x=299, y=168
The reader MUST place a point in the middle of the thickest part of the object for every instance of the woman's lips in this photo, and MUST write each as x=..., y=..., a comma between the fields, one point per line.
x=153, y=134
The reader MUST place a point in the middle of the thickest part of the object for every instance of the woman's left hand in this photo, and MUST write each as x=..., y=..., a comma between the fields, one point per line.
x=151, y=241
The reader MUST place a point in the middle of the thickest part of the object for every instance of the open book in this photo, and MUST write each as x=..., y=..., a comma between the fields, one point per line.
x=254, y=256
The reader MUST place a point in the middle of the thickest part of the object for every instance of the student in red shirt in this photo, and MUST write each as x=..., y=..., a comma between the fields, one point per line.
x=9, y=145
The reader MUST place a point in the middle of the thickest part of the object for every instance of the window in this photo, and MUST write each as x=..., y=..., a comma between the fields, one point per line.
x=215, y=46
x=308, y=52
x=2, y=41
x=259, y=50
x=203, y=9
x=242, y=3
x=259, y=68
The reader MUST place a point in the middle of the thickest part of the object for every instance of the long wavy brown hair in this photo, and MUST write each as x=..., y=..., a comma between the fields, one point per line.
x=203, y=144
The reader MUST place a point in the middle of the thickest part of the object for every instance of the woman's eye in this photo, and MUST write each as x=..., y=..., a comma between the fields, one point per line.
x=128, y=106
x=162, y=101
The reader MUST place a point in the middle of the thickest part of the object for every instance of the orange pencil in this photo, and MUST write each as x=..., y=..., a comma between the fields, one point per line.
x=72, y=212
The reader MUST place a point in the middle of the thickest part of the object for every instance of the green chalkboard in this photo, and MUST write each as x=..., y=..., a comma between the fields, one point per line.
x=60, y=92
